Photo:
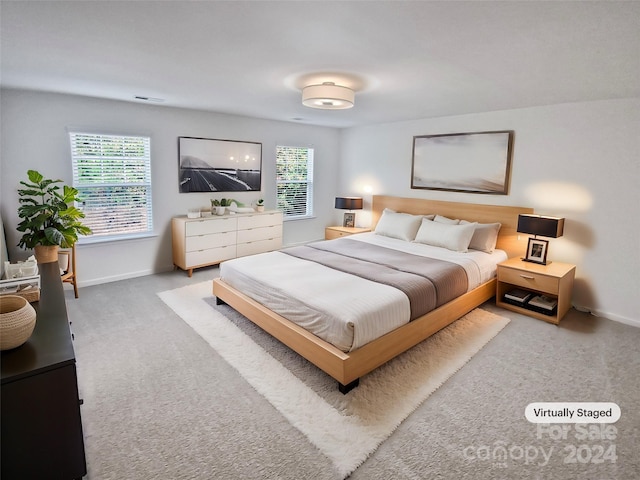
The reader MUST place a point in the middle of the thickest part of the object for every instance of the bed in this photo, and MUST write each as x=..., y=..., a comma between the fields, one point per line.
x=285, y=293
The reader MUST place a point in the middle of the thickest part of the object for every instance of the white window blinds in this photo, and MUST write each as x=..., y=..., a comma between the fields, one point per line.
x=113, y=176
x=294, y=181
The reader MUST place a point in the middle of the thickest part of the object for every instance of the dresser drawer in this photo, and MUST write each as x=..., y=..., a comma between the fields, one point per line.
x=262, y=220
x=213, y=240
x=210, y=256
x=532, y=280
x=260, y=246
x=211, y=225
x=262, y=233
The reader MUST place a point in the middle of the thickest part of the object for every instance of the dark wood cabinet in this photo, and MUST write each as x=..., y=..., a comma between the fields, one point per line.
x=41, y=424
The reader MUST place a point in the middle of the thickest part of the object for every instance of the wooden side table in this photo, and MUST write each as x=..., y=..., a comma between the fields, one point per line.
x=553, y=280
x=336, y=232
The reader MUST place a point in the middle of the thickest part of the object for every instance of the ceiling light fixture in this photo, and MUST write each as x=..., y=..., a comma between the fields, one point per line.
x=328, y=96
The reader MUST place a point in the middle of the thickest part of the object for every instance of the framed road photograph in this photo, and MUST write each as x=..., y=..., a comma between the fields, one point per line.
x=537, y=251
x=463, y=162
x=210, y=165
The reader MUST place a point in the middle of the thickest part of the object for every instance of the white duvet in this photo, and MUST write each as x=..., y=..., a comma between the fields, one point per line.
x=342, y=309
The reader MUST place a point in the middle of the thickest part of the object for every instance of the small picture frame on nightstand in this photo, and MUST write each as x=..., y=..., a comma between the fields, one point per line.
x=537, y=251
x=349, y=220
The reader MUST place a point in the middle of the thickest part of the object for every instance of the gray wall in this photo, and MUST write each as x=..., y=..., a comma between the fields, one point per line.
x=580, y=161
x=34, y=136
x=576, y=160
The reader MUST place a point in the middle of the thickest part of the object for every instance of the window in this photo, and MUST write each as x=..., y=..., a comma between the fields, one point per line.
x=113, y=176
x=294, y=181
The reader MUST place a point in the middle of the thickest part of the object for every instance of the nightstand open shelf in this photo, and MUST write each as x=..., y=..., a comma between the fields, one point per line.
x=554, y=280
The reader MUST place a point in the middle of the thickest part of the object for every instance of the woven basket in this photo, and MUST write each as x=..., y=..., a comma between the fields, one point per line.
x=17, y=321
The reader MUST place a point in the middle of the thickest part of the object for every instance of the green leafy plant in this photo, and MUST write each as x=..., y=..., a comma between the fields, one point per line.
x=215, y=202
x=49, y=216
x=260, y=201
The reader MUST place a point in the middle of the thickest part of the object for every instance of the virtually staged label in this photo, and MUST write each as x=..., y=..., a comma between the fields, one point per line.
x=572, y=412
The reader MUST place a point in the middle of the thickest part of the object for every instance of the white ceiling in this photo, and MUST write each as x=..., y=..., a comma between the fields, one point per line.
x=408, y=60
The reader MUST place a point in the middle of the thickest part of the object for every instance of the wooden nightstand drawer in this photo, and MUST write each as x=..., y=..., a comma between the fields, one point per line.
x=532, y=280
x=331, y=234
x=336, y=232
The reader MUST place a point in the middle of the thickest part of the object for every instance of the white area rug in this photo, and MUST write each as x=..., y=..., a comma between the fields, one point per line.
x=346, y=428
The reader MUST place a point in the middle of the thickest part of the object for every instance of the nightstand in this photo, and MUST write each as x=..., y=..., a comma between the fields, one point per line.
x=554, y=280
x=336, y=232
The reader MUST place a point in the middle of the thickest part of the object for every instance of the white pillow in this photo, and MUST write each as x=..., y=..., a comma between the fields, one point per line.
x=398, y=225
x=450, y=221
x=485, y=236
x=452, y=237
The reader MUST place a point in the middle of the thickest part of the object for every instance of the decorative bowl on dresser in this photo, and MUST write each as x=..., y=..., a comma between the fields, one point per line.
x=17, y=321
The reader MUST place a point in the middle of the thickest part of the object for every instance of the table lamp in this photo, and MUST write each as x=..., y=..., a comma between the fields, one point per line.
x=538, y=225
x=349, y=203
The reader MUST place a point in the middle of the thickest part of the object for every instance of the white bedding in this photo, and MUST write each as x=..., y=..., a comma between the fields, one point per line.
x=342, y=309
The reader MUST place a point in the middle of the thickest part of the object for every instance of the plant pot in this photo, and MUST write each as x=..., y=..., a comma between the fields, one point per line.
x=260, y=208
x=17, y=321
x=220, y=210
x=63, y=260
x=46, y=253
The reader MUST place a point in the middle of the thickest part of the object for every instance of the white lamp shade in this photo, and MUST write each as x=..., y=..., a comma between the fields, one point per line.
x=328, y=96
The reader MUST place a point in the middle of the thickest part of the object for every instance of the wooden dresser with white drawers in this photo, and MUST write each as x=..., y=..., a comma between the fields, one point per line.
x=200, y=242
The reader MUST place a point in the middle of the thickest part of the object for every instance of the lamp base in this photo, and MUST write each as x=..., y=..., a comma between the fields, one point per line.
x=533, y=261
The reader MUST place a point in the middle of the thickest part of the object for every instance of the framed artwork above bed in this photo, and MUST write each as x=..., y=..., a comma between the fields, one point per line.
x=210, y=165
x=477, y=162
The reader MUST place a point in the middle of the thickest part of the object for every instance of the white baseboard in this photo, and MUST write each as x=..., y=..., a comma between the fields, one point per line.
x=115, y=278
x=610, y=316
x=617, y=318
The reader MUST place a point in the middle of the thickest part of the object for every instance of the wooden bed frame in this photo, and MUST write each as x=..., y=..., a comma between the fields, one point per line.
x=347, y=368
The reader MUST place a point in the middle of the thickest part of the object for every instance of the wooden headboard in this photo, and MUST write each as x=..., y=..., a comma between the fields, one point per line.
x=472, y=212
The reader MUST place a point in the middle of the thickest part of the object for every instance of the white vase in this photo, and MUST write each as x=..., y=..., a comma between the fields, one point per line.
x=63, y=260
x=220, y=210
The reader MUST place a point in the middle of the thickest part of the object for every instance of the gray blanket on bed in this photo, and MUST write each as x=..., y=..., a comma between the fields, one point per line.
x=427, y=282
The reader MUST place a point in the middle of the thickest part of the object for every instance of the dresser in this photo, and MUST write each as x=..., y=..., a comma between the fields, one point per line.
x=41, y=424
x=200, y=242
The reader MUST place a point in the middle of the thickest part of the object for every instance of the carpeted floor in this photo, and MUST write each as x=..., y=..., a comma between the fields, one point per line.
x=160, y=403
x=346, y=428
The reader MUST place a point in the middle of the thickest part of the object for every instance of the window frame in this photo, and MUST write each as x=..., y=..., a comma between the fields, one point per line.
x=146, y=216
x=309, y=181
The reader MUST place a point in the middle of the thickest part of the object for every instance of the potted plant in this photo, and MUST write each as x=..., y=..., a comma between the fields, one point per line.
x=49, y=218
x=220, y=205
x=260, y=205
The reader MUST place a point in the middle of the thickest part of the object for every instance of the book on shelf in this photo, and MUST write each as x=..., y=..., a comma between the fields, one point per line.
x=543, y=302
x=517, y=295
